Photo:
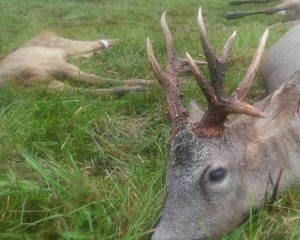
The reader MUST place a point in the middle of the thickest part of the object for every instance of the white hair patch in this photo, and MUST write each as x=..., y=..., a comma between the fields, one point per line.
x=105, y=43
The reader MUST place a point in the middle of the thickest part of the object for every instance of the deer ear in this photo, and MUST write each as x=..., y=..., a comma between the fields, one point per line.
x=195, y=113
x=282, y=111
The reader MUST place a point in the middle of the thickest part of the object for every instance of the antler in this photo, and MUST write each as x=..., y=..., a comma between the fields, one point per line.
x=212, y=122
x=169, y=80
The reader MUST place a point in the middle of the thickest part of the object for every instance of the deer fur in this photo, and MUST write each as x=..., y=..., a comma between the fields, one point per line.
x=290, y=7
x=42, y=60
x=213, y=182
x=282, y=62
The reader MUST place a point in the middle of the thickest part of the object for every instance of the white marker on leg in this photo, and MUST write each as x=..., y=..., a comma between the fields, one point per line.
x=105, y=43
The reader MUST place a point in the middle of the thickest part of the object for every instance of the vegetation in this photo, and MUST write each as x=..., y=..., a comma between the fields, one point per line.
x=74, y=166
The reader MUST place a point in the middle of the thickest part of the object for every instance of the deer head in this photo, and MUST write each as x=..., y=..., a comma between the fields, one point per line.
x=207, y=190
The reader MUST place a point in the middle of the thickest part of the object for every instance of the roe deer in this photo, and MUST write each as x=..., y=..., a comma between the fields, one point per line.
x=42, y=59
x=291, y=8
x=219, y=170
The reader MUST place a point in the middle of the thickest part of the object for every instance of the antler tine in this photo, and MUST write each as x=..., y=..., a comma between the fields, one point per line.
x=226, y=49
x=176, y=112
x=175, y=63
x=232, y=105
x=216, y=64
x=244, y=86
x=235, y=103
x=235, y=106
x=168, y=38
x=160, y=75
x=207, y=48
x=206, y=88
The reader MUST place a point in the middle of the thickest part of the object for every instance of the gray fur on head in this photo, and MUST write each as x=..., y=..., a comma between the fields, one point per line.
x=194, y=207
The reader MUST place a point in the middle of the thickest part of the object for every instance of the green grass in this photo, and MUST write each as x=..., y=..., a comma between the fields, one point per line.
x=74, y=166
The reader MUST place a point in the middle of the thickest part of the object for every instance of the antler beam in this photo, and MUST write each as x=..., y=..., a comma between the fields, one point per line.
x=212, y=123
x=169, y=79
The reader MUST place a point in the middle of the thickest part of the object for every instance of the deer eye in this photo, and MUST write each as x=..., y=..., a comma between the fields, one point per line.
x=217, y=175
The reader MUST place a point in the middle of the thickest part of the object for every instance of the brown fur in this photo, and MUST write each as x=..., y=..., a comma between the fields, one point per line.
x=42, y=60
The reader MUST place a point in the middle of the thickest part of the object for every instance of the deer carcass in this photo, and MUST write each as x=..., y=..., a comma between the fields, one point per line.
x=42, y=60
x=220, y=169
x=290, y=7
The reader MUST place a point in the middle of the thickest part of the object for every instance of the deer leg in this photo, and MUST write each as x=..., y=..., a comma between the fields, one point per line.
x=70, y=47
x=82, y=48
x=239, y=2
x=271, y=10
x=119, y=91
x=74, y=73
